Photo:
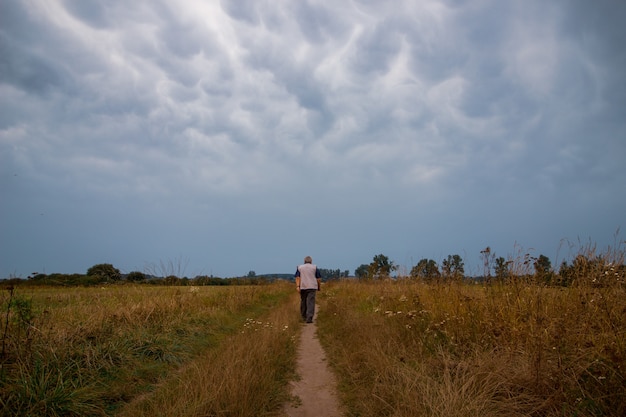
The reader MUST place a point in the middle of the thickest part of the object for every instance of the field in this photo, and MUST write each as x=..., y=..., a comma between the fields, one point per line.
x=402, y=347
x=405, y=348
x=147, y=351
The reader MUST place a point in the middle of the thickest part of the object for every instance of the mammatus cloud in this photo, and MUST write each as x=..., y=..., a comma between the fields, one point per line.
x=228, y=118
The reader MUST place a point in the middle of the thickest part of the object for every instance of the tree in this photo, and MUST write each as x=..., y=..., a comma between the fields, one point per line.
x=135, y=276
x=566, y=274
x=380, y=267
x=171, y=280
x=105, y=272
x=426, y=269
x=543, y=269
x=502, y=268
x=333, y=273
x=361, y=271
x=37, y=276
x=453, y=267
x=585, y=270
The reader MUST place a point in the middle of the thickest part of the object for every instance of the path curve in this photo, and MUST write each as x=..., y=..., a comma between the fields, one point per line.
x=316, y=390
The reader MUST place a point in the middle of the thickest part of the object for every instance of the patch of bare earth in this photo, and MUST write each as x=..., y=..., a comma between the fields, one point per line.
x=315, y=392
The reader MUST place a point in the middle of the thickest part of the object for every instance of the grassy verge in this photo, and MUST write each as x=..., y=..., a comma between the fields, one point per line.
x=408, y=348
x=247, y=375
x=89, y=352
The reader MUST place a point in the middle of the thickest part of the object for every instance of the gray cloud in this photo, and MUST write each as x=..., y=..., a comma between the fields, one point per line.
x=392, y=128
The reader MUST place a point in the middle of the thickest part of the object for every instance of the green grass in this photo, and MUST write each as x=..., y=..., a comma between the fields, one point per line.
x=92, y=351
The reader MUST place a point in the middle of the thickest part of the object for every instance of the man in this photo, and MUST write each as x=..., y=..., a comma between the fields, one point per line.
x=308, y=281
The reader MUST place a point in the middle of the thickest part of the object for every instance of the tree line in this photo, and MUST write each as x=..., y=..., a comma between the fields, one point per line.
x=593, y=269
x=596, y=270
x=106, y=273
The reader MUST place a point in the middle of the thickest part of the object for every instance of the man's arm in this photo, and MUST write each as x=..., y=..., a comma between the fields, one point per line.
x=318, y=276
x=297, y=275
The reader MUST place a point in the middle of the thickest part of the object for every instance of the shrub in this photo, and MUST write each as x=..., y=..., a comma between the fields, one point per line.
x=105, y=271
x=136, y=276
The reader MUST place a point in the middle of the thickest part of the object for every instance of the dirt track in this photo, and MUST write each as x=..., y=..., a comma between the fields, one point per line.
x=317, y=387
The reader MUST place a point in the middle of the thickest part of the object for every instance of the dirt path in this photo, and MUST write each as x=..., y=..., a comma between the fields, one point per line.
x=317, y=387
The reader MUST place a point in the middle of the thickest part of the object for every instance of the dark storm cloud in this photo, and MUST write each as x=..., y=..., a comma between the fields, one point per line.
x=426, y=128
x=22, y=63
x=245, y=10
x=94, y=13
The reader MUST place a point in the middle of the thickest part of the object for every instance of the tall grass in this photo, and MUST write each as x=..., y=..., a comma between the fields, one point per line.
x=245, y=377
x=89, y=352
x=408, y=348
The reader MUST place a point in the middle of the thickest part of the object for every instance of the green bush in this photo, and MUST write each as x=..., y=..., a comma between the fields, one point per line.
x=105, y=271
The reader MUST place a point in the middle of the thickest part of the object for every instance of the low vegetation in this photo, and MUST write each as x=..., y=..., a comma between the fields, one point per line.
x=520, y=340
x=514, y=346
x=143, y=350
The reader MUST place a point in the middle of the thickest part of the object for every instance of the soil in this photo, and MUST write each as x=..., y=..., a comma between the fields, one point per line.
x=316, y=391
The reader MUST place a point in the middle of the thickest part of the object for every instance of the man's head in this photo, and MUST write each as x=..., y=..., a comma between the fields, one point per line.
x=308, y=260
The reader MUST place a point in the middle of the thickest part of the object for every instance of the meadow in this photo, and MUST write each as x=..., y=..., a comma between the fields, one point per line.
x=132, y=350
x=515, y=346
x=409, y=348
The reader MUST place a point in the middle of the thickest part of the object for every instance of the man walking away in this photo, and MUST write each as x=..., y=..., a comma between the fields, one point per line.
x=308, y=281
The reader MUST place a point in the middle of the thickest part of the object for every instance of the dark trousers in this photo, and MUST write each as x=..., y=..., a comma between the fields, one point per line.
x=307, y=304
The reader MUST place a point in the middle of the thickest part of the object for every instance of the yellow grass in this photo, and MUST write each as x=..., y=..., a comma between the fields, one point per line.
x=400, y=348
x=93, y=351
x=244, y=377
x=412, y=349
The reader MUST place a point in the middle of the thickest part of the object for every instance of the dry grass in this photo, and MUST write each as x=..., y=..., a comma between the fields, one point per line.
x=407, y=348
x=90, y=351
x=244, y=377
x=400, y=348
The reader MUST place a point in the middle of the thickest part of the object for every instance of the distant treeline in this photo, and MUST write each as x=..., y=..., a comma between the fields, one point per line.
x=597, y=268
x=333, y=273
x=105, y=274
x=108, y=275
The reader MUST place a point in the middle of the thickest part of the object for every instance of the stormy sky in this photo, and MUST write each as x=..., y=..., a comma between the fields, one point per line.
x=222, y=137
